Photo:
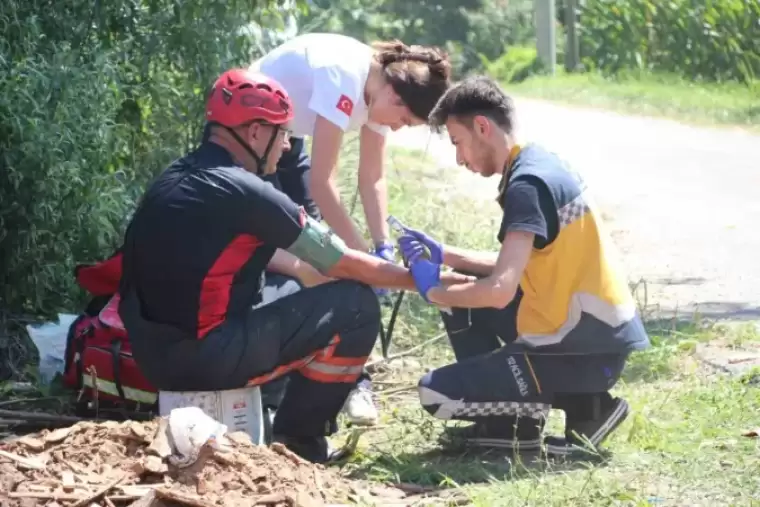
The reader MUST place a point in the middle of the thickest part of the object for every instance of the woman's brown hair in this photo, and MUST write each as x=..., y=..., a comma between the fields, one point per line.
x=418, y=74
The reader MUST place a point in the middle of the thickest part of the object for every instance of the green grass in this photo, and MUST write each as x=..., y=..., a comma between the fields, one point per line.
x=727, y=104
x=682, y=444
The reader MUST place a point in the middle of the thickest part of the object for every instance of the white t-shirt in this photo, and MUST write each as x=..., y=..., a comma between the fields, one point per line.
x=324, y=74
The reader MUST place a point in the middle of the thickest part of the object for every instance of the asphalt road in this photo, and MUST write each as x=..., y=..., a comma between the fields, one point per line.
x=681, y=201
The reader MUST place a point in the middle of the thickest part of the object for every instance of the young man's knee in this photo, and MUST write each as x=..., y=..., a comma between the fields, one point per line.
x=437, y=395
x=430, y=399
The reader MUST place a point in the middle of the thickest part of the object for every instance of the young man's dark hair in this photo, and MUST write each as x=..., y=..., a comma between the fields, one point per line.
x=474, y=96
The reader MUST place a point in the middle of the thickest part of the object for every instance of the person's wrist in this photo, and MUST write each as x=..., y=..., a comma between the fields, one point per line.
x=432, y=294
x=383, y=245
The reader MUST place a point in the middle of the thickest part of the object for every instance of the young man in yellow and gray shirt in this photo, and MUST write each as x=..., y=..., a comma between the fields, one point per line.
x=550, y=322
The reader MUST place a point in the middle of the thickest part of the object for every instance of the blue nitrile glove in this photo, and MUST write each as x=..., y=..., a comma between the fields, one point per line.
x=426, y=274
x=416, y=244
x=386, y=252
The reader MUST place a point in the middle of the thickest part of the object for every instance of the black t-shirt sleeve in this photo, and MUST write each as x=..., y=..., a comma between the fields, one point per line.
x=528, y=207
x=273, y=217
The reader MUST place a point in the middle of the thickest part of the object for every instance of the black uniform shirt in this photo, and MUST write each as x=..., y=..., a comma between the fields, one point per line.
x=199, y=244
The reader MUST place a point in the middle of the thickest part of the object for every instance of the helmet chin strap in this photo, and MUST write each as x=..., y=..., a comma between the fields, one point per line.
x=261, y=161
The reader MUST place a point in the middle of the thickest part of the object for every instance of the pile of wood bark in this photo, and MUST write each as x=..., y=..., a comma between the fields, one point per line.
x=130, y=463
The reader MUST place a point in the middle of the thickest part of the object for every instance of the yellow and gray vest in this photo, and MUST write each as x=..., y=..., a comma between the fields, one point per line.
x=575, y=296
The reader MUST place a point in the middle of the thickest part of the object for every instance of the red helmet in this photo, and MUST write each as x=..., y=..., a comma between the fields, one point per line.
x=241, y=96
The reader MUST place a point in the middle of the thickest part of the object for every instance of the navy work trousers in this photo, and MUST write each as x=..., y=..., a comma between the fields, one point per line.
x=320, y=337
x=494, y=377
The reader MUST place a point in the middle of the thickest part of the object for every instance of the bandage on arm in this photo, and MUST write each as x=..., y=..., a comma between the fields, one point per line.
x=318, y=246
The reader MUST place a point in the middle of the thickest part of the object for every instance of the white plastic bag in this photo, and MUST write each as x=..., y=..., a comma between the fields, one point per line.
x=190, y=429
x=50, y=340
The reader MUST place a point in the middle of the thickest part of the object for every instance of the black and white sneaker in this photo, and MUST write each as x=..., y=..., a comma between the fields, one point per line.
x=579, y=434
x=498, y=434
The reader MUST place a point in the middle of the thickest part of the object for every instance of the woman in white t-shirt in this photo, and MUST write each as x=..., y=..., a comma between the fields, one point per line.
x=340, y=84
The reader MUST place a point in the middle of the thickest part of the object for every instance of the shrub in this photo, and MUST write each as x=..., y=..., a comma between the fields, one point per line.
x=517, y=64
x=95, y=98
x=698, y=39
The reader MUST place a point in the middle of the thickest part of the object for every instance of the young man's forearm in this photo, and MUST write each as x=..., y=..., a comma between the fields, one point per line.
x=483, y=293
x=326, y=196
x=366, y=268
x=469, y=261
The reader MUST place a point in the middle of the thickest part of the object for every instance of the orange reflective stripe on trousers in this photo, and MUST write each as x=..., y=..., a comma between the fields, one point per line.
x=320, y=366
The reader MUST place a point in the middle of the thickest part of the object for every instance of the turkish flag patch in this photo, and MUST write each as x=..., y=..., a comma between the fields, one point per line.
x=345, y=105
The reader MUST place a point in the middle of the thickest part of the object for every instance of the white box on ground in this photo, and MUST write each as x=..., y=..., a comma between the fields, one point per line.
x=238, y=409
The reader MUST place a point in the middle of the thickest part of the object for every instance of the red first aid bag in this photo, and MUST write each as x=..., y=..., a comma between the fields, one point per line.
x=98, y=359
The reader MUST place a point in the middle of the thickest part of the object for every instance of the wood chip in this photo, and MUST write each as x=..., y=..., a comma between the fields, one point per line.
x=160, y=445
x=31, y=443
x=102, y=491
x=67, y=481
x=58, y=436
x=138, y=430
x=256, y=473
x=226, y=458
x=201, y=487
x=248, y=482
x=137, y=491
x=150, y=499
x=45, y=495
x=37, y=463
x=280, y=448
x=306, y=500
x=155, y=465
x=239, y=437
x=182, y=498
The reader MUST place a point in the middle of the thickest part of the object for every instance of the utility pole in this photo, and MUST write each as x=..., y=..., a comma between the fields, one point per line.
x=546, y=39
x=572, y=48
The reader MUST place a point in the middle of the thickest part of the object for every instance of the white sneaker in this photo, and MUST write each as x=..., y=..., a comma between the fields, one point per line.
x=360, y=408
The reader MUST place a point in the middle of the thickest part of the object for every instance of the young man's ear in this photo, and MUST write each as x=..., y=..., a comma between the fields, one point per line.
x=481, y=125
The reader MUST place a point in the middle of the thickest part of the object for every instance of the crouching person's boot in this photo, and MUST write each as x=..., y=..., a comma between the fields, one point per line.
x=512, y=433
x=590, y=419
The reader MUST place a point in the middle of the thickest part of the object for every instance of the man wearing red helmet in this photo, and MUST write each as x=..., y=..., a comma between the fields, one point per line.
x=194, y=258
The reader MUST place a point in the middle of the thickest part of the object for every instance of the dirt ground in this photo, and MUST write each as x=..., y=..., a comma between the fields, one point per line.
x=681, y=201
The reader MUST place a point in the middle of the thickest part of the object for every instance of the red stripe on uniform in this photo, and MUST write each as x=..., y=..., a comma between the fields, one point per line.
x=216, y=286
